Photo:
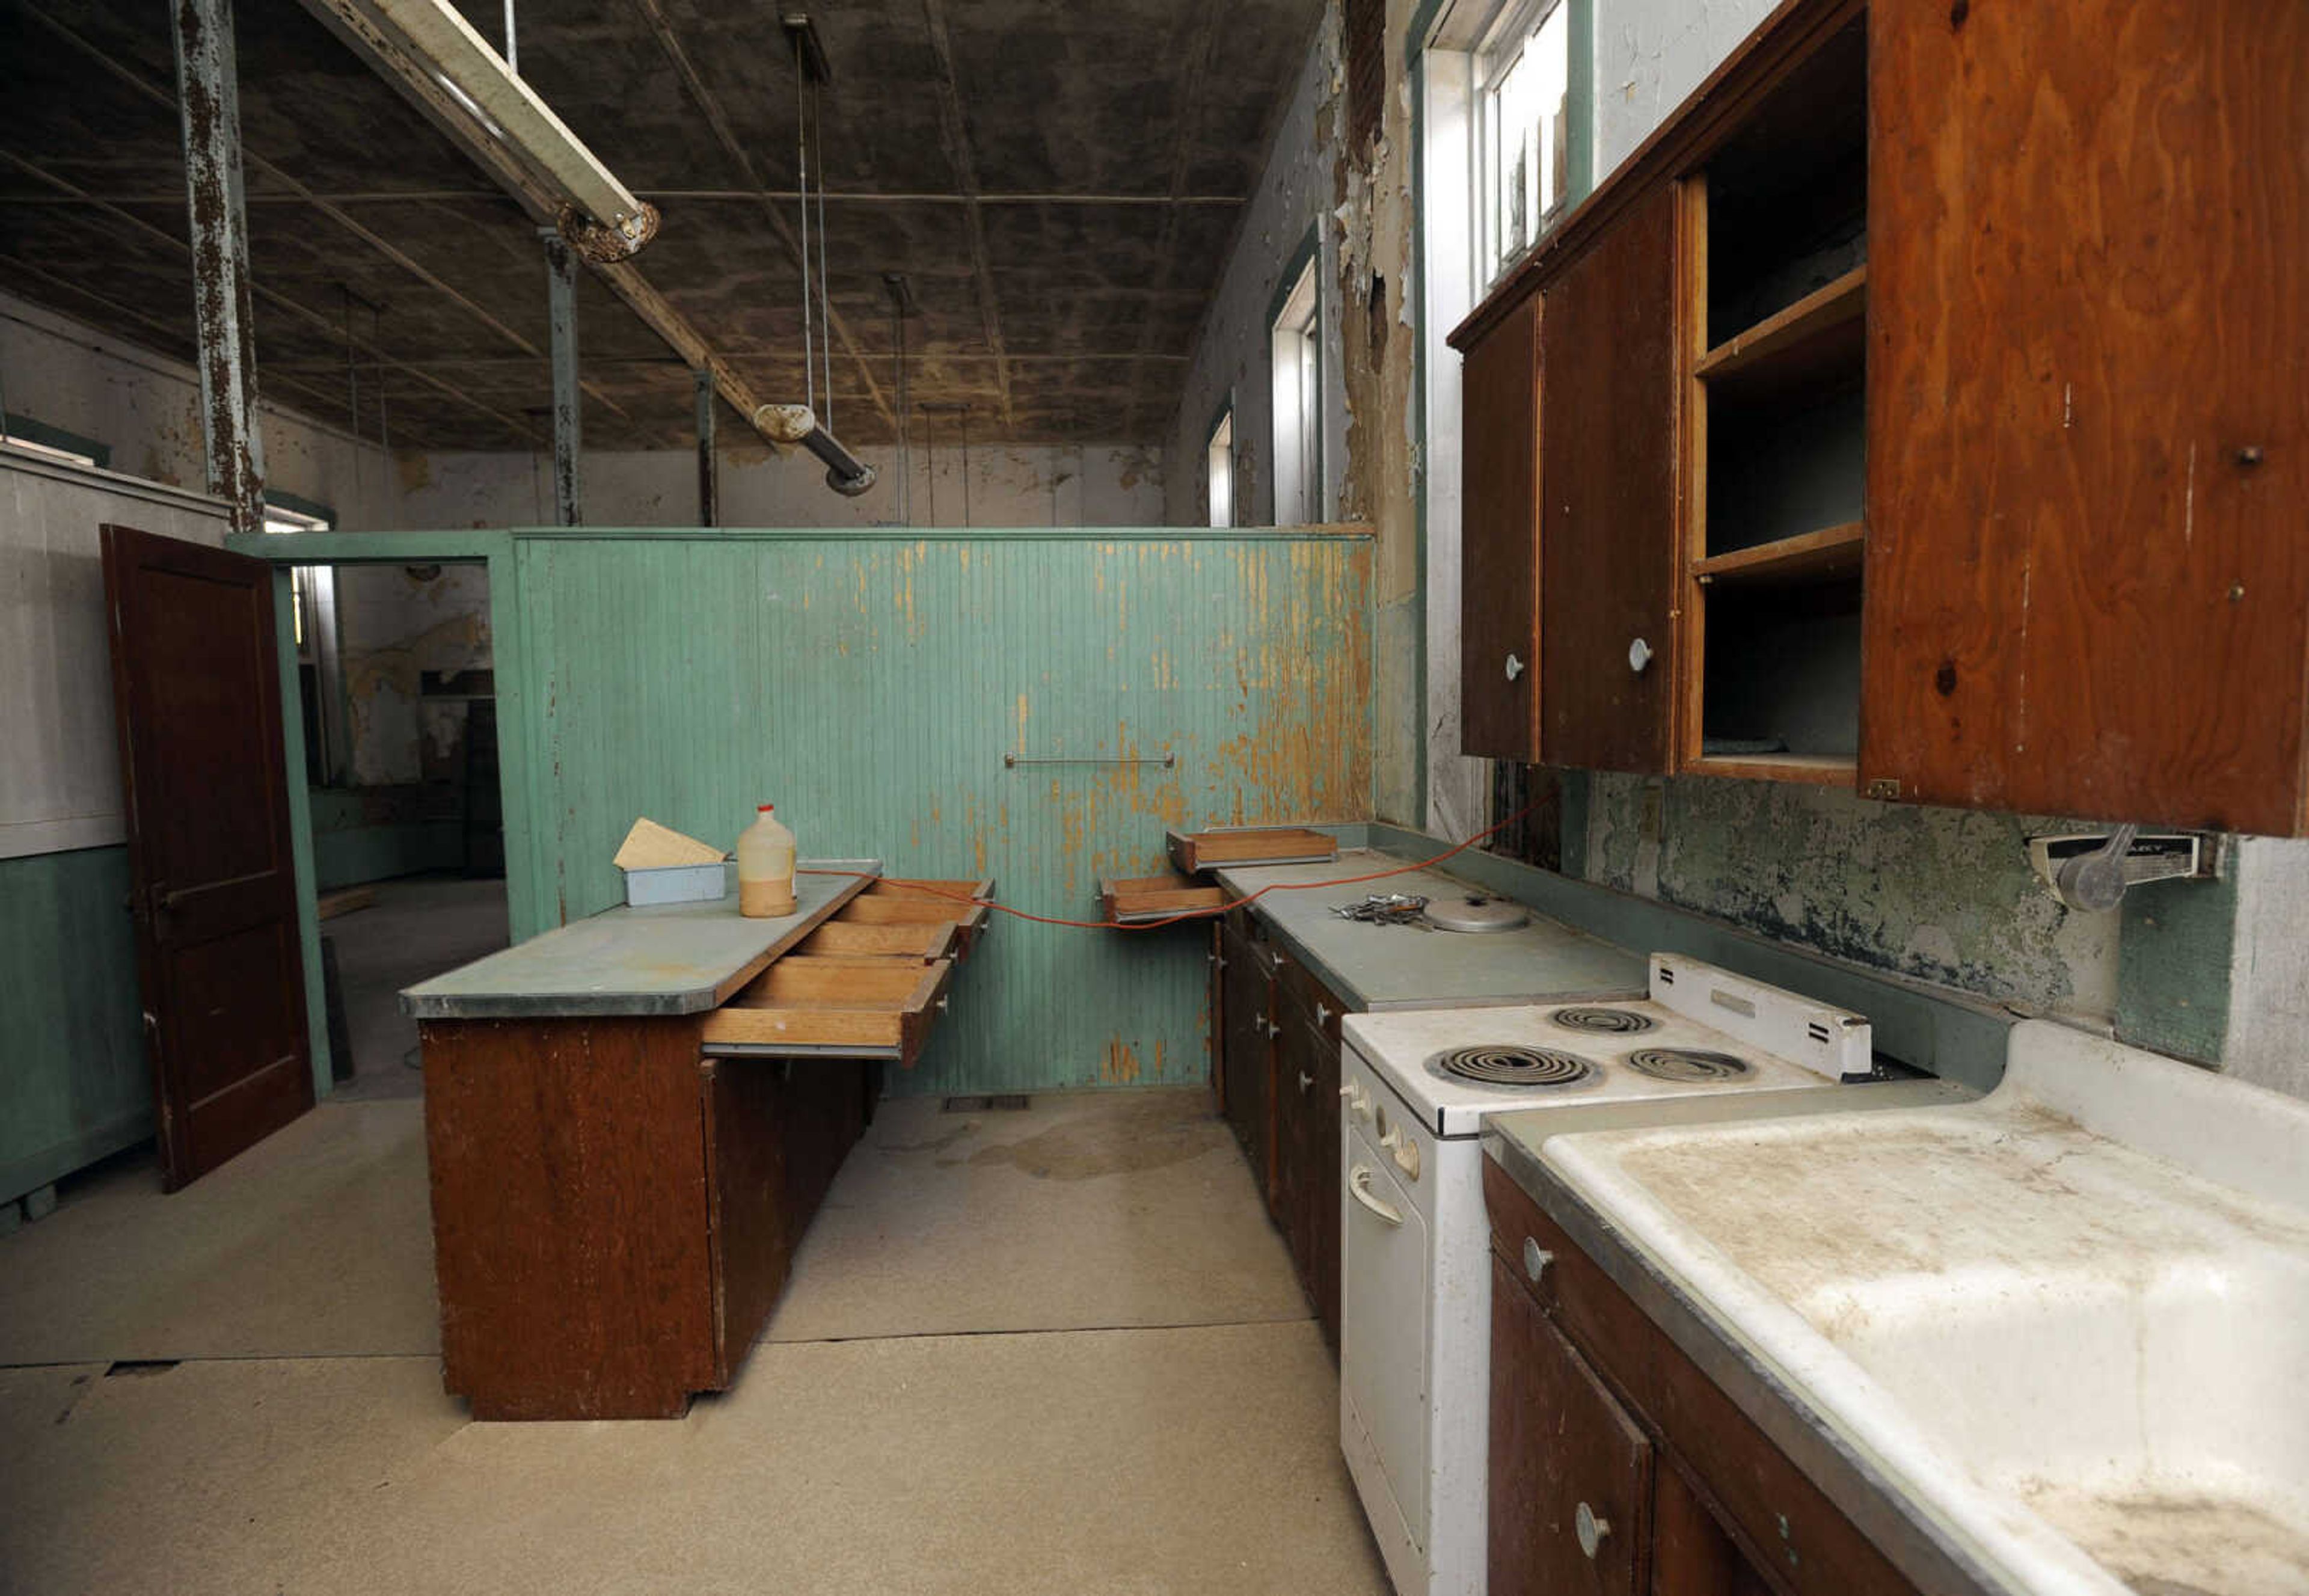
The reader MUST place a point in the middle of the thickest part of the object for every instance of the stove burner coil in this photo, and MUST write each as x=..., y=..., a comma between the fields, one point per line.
x=1687, y=1064
x=1514, y=1066
x=1604, y=1022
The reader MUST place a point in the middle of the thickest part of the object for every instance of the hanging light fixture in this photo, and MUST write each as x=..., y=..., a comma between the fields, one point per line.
x=806, y=423
x=460, y=80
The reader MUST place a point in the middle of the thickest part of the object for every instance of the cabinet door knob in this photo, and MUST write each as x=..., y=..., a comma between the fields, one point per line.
x=1640, y=654
x=1322, y=1015
x=1274, y=1029
x=1305, y=1080
x=1515, y=667
x=1591, y=1530
x=1536, y=1260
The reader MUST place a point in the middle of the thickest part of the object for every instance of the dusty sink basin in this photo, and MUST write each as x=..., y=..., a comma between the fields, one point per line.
x=2069, y=1322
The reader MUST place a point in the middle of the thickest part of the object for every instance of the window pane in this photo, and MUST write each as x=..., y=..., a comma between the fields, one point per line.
x=1526, y=135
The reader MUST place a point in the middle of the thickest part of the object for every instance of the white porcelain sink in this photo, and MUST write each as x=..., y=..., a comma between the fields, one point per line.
x=2070, y=1320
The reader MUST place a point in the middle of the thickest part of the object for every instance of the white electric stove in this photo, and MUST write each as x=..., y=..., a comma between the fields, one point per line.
x=1414, y=1354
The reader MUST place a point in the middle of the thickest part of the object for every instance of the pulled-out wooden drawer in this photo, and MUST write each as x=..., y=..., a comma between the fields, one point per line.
x=1195, y=852
x=1155, y=898
x=822, y=1008
x=925, y=943
x=895, y=902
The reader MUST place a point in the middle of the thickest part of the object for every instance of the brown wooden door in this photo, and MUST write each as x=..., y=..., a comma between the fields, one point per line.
x=2087, y=586
x=1608, y=522
x=1498, y=540
x=1559, y=1442
x=196, y=691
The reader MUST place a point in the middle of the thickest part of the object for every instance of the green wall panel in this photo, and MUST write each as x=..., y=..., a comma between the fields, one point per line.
x=872, y=686
x=75, y=1086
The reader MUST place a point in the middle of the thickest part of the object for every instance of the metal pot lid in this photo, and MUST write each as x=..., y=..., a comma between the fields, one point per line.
x=1476, y=912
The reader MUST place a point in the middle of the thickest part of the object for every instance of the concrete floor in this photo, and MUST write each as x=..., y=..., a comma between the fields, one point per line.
x=1053, y=1352
x=418, y=927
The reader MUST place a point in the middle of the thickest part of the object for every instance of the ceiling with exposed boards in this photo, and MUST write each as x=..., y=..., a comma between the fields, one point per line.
x=1058, y=182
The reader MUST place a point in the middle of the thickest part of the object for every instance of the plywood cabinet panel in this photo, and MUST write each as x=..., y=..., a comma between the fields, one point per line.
x=2088, y=584
x=1499, y=593
x=1608, y=389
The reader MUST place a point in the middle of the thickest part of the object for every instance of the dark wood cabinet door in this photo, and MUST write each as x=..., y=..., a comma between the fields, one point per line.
x=1314, y=1082
x=1248, y=987
x=1607, y=535
x=1563, y=1455
x=1498, y=540
x=2087, y=586
x=1691, y=1553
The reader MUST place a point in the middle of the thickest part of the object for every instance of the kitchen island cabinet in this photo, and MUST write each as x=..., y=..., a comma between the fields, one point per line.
x=629, y=1122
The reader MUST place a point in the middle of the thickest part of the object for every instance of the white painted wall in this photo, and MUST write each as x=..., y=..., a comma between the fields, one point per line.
x=1234, y=358
x=989, y=485
x=148, y=408
x=1650, y=54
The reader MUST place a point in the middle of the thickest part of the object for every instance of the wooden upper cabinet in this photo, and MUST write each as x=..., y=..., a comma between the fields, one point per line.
x=1608, y=389
x=2088, y=573
x=1498, y=571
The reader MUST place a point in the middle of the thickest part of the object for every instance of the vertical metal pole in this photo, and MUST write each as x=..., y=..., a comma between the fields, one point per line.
x=709, y=486
x=561, y=293
x=208, y=96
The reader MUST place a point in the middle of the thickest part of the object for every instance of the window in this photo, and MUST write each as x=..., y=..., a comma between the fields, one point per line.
x=1220, y=456
x=1299, y=401
x=312, y=614
x=54, y=443
x=1523, y=108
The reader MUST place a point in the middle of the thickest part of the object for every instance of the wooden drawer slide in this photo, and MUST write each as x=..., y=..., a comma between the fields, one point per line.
x=855, y=942
x=821, y=1008
x=895, y=902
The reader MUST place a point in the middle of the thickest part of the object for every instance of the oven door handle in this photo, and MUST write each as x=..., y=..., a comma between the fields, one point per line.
x=1359, y=1188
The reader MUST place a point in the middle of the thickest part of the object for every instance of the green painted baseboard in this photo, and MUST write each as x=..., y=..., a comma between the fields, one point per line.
x=76, y=1087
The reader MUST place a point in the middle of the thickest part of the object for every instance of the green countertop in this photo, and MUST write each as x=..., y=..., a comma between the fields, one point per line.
x=670, y=958
x=1400, y=967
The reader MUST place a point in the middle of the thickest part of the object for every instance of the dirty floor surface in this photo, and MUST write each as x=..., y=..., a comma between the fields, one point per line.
x=419, y=927
x=1049, y=1351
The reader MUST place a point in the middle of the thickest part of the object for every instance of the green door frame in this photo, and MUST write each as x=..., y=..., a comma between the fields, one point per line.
x=492, y=549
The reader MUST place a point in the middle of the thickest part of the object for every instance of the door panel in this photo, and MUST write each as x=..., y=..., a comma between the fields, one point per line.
x=1498, y=540
x=1559, y=1442
x=196, y=694
x=2087, y=589
x=1608, y=526
x=1383, y=1366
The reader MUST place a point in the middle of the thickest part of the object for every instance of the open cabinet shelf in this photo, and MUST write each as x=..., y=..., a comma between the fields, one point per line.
x=1812, y=340
x=1826, y=555
x=1774, y=342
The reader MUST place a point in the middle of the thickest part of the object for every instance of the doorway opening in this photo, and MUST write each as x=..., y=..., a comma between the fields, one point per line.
x=396, y=680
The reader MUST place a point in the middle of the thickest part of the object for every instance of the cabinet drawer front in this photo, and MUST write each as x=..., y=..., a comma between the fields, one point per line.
x=1320, y=1004
x=831, y=1008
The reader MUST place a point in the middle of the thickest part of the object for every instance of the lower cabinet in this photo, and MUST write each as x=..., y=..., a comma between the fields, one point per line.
x=1617, y=1466
x=1571, y=1476
x=1278, y=1081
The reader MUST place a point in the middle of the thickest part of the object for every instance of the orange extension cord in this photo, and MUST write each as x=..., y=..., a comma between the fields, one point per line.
x=1185, y=915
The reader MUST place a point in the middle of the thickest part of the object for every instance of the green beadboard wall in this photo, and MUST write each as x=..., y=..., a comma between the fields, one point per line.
x=73, y=1086
x=870, y=685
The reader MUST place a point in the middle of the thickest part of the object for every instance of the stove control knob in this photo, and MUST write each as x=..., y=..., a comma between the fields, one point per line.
x=1403, y=1150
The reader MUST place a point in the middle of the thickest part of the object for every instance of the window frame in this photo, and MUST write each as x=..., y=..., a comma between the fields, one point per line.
x=1213, y=445
x=1517, y=23
x=1295, y=420
x=54, y=442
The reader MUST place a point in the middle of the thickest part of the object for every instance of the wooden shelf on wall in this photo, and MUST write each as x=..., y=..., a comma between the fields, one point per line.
x=1820, y=336
x=1824, y=771
x=1824, y=556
